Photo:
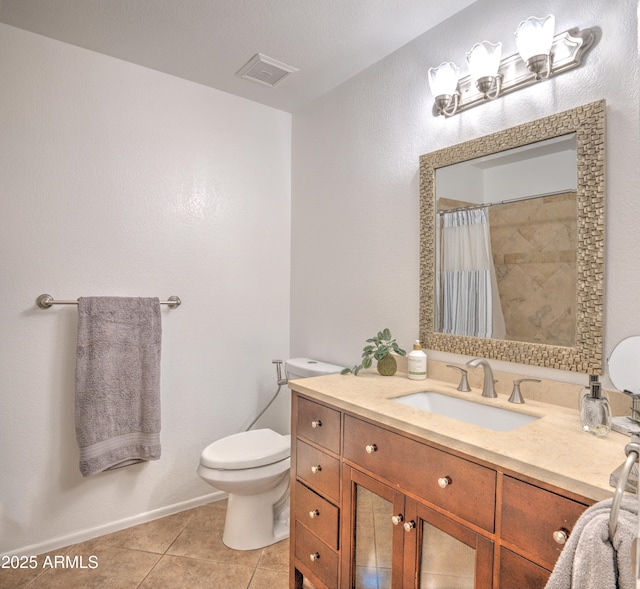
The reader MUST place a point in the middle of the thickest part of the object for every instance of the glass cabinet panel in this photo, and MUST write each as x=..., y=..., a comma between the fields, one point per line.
x=372, y=535
x=445, y=562
x=445, y=554
x=373, y=540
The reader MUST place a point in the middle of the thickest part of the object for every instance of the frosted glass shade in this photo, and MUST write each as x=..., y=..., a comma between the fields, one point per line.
x=443, y=80
x=484, y=60
x=534, y=36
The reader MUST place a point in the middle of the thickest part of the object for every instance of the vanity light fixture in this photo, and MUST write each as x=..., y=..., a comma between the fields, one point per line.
x=443, y=82
x=534, y=37
x=484, y=61
x=540, y=56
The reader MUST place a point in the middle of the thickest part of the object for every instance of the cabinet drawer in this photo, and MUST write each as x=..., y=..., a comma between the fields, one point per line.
x=516, y=571
x=317, y=514
x=319, y=424
x=319, y=470
x=316, y=556
x=468, y=489
x=531, y=515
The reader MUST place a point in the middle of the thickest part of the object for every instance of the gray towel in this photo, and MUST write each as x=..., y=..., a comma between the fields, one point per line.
x=589, y=559
x=117, y=382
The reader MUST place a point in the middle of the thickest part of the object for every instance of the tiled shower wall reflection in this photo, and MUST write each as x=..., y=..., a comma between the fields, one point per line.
x=534, y=251
x=373, y=540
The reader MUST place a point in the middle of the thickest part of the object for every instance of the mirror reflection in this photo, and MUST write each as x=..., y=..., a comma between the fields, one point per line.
x=373, y=540
x=445, y=561
x=506, y=244
x=587, y=126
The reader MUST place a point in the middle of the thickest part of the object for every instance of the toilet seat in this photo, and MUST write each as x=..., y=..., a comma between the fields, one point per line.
x=246, y=450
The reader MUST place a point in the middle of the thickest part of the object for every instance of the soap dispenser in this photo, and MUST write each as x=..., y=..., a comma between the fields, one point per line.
x=595, y=413
x=417, y=363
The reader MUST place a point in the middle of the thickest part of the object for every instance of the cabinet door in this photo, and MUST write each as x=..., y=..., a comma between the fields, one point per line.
x=516, y=571
x=442, y=553
x=532, y=517
x=372, y=545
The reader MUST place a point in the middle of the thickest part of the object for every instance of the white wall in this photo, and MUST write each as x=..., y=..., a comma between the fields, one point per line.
x=535, y=175
x=118, y=180
x=355, y=238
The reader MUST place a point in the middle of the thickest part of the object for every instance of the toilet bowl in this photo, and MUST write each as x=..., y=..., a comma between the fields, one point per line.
x=252, y=467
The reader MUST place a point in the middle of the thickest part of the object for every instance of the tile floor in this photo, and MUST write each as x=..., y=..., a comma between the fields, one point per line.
x=184, y=550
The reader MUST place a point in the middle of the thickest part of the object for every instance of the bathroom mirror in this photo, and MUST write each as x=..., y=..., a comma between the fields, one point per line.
x=557, y=202
x=623, y=365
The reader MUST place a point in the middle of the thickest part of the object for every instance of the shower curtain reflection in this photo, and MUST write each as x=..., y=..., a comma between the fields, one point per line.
x=467, y=300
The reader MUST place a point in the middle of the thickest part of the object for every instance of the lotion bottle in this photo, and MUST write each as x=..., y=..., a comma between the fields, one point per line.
x=417, y=363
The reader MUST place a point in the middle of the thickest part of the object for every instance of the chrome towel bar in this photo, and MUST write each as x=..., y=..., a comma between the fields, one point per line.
x=632, y=449
x=45, y=301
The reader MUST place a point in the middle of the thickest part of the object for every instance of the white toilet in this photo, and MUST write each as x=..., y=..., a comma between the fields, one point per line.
x=253, y=468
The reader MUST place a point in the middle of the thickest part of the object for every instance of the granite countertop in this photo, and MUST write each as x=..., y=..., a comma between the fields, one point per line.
x=553, y=449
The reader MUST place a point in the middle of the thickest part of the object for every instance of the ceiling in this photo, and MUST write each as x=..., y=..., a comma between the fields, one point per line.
x=208, y=41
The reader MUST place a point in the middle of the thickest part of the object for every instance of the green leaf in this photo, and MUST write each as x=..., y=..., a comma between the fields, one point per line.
x=346, y=371
x=367, y=362
x=386, y=334
x=398, y=350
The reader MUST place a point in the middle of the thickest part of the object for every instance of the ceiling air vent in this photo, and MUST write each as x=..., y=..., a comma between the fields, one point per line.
x=265, y=71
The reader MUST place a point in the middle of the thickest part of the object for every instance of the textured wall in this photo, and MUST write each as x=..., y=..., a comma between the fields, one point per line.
x=118, y=180
x=355, y=175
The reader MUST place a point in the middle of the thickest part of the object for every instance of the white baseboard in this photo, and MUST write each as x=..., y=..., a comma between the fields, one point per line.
x=89, y=534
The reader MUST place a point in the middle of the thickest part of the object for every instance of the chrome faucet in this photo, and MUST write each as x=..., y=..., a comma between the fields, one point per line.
x=488, y=389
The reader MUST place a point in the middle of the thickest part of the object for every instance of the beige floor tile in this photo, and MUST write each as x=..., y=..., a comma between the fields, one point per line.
x=155, y=536
x=174, y=572
x=268, y=579
x=275, y=557
x=194, y=557
x=116, y=568
x=22, y=574
x=18, y=577
x=202, y=538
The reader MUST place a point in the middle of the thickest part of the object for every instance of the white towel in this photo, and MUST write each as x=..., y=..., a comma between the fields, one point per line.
x=117, y=399
x=590, y=560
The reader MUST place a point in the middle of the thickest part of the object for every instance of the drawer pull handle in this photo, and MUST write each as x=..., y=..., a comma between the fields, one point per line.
x=370, y=448
x=397, y=519
x=408, y=526
x=314, y=556
x=316, y=423
x=314, y=513
x=561, y=536
x=444, y=482
x=316, y=468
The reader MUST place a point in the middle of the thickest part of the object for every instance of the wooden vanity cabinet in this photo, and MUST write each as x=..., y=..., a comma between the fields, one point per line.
x=517, y=572
x=315, y=494
x=372, y=506
x=449, y=482
x=535, y=524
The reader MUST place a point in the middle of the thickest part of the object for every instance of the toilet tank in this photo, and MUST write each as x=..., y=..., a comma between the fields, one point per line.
x=306, y=367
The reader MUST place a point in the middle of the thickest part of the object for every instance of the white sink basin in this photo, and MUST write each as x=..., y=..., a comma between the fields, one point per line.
x=494, y=418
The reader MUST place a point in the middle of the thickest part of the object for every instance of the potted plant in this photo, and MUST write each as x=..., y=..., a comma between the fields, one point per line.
x=379, y=348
